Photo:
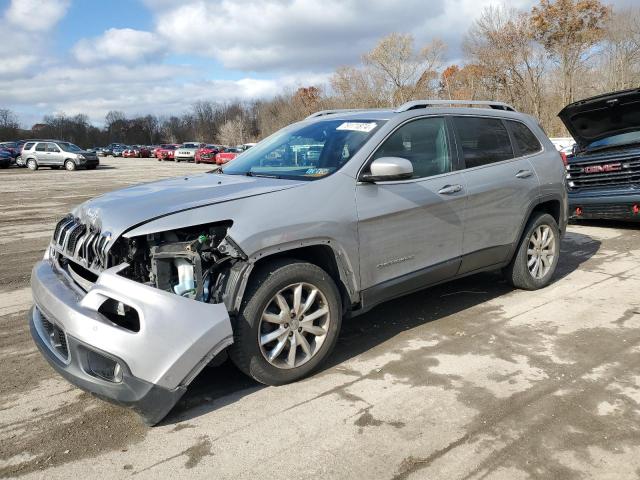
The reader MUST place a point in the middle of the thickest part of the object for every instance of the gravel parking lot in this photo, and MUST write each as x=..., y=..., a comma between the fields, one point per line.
x=467, y=380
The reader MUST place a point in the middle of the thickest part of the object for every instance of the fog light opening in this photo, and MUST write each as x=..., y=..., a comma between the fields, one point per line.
x=121, y=314
x=102, y=367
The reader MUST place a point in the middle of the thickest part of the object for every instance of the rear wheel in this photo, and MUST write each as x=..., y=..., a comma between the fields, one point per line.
x=288, y=324
x=536, y=259
x=70, y=165
x=32, y=164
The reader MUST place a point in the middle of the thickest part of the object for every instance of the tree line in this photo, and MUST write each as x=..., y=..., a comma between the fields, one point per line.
x=538, y=60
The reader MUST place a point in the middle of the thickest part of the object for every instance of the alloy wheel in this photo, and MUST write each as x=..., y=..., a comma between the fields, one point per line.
x=541, y=251
x=294, y=325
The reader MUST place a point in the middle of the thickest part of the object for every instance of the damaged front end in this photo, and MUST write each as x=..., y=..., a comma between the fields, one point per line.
x=136, y=319
x=193, y=262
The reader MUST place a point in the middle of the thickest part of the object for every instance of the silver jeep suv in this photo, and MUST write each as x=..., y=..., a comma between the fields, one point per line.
x=141, y=288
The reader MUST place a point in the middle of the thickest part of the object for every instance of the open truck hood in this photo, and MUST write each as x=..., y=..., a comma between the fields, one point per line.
x=597, y=118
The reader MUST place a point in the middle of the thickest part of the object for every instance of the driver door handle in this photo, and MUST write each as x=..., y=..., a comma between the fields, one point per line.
x=450, y=189
x=524, y=173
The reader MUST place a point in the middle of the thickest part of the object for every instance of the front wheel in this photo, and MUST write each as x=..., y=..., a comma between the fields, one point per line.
x=536, y=258
x=288, y=324
x=70, y=165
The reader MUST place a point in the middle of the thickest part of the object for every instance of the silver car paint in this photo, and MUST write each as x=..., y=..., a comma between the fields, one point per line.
x=402, y=226
x=175, y=333
x=156, y=199
x=280, y=221
x=406, y=226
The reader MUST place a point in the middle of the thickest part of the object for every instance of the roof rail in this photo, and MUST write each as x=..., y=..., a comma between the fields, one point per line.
x=432, y=103
x=322, y=113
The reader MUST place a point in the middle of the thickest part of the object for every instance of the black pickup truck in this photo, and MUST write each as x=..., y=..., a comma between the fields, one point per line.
x=603, y=173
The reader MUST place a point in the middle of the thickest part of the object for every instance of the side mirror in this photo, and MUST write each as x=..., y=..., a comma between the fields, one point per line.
x=388, y=168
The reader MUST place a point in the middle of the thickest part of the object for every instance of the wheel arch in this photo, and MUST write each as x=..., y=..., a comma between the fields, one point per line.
x=321, y=253
x=551, y=204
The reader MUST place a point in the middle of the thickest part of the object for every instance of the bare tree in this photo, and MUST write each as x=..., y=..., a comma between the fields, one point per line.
x=620, y=55
x=232, y=132
x=9, y=124
x=204, y=117
x=501, y=42
x=405, y=70
x=569, y=29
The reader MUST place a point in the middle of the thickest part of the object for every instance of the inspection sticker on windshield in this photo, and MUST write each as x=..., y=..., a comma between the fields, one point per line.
x=358, y=126
x=317, y=172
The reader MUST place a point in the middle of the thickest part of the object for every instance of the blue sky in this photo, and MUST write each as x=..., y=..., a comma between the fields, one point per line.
x=160, y=56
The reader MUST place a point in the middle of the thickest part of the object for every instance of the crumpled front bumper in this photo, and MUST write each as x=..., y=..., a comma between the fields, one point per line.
x=176, y=339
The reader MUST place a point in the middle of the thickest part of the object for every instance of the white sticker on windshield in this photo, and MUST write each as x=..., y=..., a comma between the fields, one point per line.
x=358, y=126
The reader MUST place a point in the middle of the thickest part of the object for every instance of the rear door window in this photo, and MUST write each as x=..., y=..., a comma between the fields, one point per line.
x=526, y=143
x=483, y=140
x=41, y=147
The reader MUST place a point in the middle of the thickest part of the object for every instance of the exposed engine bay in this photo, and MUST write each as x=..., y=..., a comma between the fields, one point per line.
x=192, y=262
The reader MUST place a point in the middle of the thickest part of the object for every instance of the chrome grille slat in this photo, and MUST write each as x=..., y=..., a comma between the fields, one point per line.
x=628, y=176
x=82, y=244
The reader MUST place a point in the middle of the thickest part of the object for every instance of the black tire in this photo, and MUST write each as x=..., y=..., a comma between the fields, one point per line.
x=32, y=164
x=264, y=284
x=517, y=273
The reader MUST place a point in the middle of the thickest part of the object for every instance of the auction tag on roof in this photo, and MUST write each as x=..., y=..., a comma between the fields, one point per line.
x=358, y=126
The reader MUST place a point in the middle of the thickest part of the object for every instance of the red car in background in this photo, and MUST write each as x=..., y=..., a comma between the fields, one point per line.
x=166, y=152
x=227, y=155
x=207, y=154
x=139, y=151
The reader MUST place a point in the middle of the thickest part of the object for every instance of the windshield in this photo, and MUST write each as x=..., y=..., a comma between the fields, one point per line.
x=69, y=147
x=615, y=140
x=305, y=152
x=190, y=145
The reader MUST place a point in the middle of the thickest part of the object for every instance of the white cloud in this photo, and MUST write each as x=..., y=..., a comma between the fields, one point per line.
x=289, y=35
x=17, y=65
x=125, y=44
x=36, y=15
x=139, y=89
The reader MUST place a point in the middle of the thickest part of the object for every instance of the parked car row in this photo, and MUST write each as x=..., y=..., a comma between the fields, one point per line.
x=196, y=152
x=199, y=152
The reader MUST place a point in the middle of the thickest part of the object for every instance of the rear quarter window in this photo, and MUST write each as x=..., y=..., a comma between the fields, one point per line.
x=28, y=145
x=483, y=140
x=526, y=143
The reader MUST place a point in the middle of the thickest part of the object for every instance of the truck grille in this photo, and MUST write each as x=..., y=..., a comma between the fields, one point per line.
x=614, y=172
x=85, y=245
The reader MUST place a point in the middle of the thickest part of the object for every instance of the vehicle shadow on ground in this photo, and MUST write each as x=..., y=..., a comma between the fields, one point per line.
x=217, y=387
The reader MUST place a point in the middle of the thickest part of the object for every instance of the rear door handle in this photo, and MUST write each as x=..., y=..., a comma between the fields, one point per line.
x=450, y=189
x=524, y=174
